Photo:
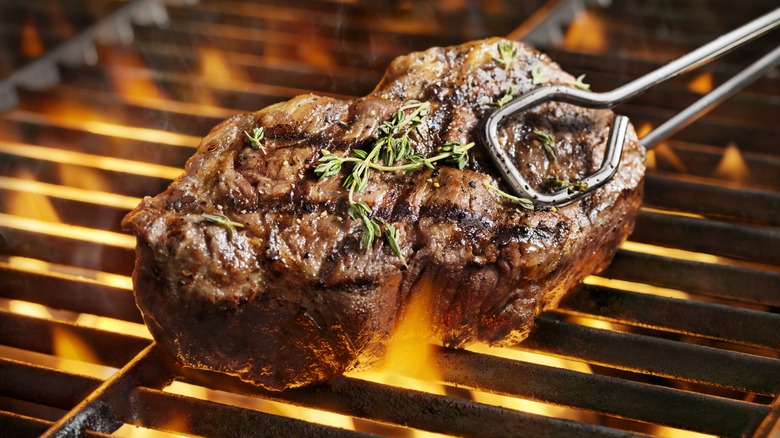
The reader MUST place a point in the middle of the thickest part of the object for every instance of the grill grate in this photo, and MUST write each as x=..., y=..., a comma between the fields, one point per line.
x=680, y=333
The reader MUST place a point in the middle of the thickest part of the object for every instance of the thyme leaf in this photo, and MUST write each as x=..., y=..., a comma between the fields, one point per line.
x=548, y=143
x=559, y=183
x=221, y=219
x=579, y=83
x=507, y=52
x=524, y=202
x=508, y=95
x=257, y=136
x=370, y=230
x=391, y=234
x=539, y=74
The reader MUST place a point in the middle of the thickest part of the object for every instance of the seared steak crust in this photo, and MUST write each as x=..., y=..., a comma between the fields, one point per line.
x=292, y=298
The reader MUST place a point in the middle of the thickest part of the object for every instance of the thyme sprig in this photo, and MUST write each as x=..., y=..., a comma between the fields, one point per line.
x=556, y=183
x=539, y=74
x=507, y=52
x=524, y=202
x=330, y=164
x=579, y=83
x=508, y=95
x=394, y=133
x=256, y=138
x=393, y=146
x=548, y=143
x=221, y=219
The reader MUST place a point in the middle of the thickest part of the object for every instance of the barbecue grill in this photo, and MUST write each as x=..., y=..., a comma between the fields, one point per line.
x=103, y=101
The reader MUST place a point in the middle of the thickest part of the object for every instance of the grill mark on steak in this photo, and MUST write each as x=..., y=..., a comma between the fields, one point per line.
x=293, y=298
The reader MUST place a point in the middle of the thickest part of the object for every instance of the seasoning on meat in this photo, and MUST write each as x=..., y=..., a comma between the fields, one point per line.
x=298, y=294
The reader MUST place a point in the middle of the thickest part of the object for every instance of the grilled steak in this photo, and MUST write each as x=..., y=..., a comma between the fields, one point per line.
x=285, y=293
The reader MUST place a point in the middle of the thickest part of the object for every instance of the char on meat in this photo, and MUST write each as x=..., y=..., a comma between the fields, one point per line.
x=292, y=297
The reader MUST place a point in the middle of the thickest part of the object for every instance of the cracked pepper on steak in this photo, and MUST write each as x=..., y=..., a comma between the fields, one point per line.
x=293, y=298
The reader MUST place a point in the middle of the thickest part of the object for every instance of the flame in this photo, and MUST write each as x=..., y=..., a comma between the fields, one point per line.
x=30, y=204
x=644, y=129
x=132, y=86
x=702, y=83
x=732, y=166
x=663, y=154
x=215, y=68
x=650, y=160
x=410, y=351
x=32, y=45
x=409, y=361
x=69, y=346
x=587, y=33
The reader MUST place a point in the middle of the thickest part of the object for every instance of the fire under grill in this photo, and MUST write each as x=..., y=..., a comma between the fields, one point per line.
x=105, y=100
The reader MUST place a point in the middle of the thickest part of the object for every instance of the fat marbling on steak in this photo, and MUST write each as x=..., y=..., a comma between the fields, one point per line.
x=292, y=297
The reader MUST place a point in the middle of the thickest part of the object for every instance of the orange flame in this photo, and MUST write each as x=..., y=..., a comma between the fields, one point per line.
x=732, y=166
x=587, y=33
x=663, y=154
x=215, y=68
x=31, y=205
x=32, y=45
x=702, y=83
x=128, y=74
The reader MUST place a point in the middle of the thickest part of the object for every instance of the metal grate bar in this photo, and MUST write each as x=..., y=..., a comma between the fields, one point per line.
x=431, y=412
x=96, y=411
x=711, y=132
x=718, y=280
x=78, y=138
x=163, y=411
x=22, y=426
x=708, y=236
x=654, y=356
x=70, y=293
x=606, y=395
x=43, y=245
x=731, y=324
x=703, y=161
x=152, y=408
x=610, y=70
x=34, y=383
x=36, y=334
x=751, y=205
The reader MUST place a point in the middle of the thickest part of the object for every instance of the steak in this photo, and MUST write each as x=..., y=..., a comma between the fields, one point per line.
x=250, y=264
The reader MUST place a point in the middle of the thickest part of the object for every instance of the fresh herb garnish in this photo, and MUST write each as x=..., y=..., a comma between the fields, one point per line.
x=524, y=202
x=391, y=234
x=508, y=95
x=507, y=52
x=221, y=219
x=539, y=74
x=579, y=83
x=559, y=183
x=394, y=133
x=256, y=138
x=548, y=143
x=392, y=146
x=370, y=230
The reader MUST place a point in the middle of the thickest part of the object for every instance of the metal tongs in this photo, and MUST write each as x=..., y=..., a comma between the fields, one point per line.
x=610, y=99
